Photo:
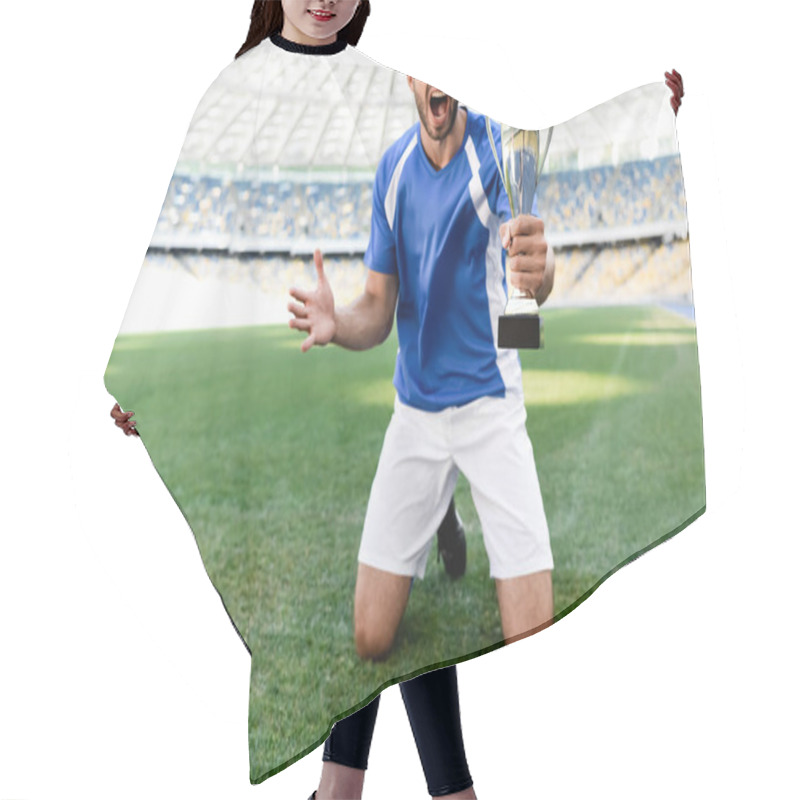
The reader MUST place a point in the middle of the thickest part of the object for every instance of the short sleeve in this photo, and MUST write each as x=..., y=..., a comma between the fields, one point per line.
x=381, y=250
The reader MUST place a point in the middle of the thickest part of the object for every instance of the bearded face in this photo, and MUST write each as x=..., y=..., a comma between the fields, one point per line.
x=437, y=110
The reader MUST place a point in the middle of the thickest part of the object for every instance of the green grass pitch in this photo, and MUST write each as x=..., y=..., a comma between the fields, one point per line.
x=270, y=455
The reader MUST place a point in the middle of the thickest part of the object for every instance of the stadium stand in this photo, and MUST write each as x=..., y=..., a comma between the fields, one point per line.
x=620, y=232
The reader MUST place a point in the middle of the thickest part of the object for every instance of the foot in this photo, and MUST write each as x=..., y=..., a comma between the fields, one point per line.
x=452, y=542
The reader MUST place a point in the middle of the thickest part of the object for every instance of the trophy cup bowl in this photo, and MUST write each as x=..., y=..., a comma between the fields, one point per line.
x=520, y=164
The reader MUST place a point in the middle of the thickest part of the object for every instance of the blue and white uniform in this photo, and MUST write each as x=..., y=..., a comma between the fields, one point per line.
x=459, y=405
x=438, y=231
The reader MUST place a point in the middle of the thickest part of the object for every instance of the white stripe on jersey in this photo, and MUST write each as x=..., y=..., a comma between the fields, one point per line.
x=508, y=363
x=479, y=199
x=391, y=193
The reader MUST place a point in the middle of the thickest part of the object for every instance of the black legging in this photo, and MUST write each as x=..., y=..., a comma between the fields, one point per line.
x=432, y=706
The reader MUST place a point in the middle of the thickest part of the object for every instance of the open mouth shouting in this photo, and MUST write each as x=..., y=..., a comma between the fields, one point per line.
x=439, y=104
x=438, y=114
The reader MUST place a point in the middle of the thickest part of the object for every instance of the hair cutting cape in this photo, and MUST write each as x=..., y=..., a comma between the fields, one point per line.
x=270, y=453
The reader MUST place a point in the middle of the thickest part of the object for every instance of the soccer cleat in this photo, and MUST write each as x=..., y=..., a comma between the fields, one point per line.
x=452, y=543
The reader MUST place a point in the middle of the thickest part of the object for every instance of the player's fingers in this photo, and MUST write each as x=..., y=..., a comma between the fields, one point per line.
x=523, y=282
x=514, y=248
x=299, y=310
x=318, y=265
x=300, y=324
x=529, y=245
x=525, y=225
x=526, y=272
x=308, y=343
x=505, y=237
x=300, y=294
x=528, y=263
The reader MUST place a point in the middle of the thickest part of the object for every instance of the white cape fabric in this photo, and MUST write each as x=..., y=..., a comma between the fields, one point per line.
x=270, y=453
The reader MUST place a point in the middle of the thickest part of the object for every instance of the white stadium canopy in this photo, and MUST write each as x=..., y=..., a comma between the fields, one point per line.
x=252, y=117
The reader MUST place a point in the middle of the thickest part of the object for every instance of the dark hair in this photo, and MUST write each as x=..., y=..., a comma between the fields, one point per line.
x=266, y=19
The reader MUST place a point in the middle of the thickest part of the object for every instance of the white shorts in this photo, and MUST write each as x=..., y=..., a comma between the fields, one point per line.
x=422, y=455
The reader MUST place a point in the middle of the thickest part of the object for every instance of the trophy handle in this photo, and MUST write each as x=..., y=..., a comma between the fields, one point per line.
x=491, y=142
x=541, y=160
x=497, y=161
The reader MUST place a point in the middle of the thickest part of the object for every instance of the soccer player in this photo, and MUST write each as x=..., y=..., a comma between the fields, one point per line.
x=440, y=221
x=431, y=699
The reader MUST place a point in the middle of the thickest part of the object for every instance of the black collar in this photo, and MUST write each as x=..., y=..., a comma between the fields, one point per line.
x=309, y=49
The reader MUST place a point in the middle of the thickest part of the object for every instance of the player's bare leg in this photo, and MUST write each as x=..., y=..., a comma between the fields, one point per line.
x=380, y=603
x=345, y=783
x=526, y=603
x=339, y=782
x=466, y=794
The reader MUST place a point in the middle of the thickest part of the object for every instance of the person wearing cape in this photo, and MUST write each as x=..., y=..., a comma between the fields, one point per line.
x=281, y=79
x=318, y=29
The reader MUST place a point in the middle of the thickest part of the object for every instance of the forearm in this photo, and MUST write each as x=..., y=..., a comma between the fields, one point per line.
x=364, y=323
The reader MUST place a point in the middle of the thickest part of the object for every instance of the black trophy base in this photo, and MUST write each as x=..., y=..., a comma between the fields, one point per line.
x=520, y=331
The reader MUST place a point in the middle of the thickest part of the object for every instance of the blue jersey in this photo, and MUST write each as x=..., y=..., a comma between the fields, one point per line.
x=438, y=231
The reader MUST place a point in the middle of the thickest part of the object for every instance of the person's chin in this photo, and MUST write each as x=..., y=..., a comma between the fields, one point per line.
x=439, y=132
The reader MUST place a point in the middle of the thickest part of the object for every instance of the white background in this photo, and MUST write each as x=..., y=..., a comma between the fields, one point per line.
x=120, y=675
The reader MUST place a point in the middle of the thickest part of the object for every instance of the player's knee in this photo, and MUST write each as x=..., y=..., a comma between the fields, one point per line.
x=372, y=643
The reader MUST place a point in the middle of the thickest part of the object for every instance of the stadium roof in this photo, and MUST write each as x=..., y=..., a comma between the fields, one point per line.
x=252, y=117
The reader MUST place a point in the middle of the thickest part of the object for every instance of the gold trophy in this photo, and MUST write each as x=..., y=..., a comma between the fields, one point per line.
x=522, y=162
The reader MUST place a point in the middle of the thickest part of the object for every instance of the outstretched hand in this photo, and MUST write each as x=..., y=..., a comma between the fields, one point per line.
x=124, y=420
x=675, y=83
x=314, y=311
